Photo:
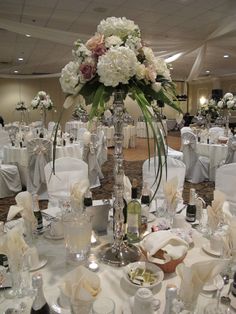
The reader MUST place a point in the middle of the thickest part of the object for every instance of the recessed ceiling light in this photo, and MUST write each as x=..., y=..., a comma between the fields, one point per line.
x=16, y=71
x=226, y=56
x=207, y=71
x=27, y=35
x=20, y=59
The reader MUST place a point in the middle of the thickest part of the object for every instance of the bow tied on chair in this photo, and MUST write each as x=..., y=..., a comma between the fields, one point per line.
x=40, y=149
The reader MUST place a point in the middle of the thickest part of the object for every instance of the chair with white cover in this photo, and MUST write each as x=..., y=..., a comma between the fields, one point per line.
x=90, y=157
x=231, y=153
x=68, y=171
x=214, y=133
x=101, y=148
x=175, y=168
x=197, y=167
x=171, y=151
x=39, y=152
x=226, y=182
x=4, y=140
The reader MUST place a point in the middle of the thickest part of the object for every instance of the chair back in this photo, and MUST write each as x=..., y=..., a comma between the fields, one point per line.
x=190, y=157
x=4, y=140
x=68, y=171
x=214, y=133
x=39, y=151
x=101, y=148
x=231, y=153
x=175, y=168
x=225, y=182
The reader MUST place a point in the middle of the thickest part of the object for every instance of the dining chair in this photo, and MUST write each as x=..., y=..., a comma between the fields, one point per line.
x=101, y=148
x=225, y=182
x=68, y=171
x=231, y=153
x=175, y=168
x=197, y=167
x=39, y=151
x=10, y=182
x=4, y=140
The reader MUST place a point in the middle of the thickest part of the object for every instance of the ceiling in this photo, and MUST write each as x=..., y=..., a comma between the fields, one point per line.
x=168, y=26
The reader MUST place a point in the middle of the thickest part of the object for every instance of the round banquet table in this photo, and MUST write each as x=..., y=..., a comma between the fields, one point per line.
x=112, y=279
x=216, y=154
x=19, y=157
x=142, y=131
x=129, y=132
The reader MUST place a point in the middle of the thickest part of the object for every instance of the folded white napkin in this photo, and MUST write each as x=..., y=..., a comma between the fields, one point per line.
x=215, y=211
x=195, y=277
x=77, y=193
x=171, y=193
x=24, y=206
x=81, y=285
x=127, y=188
x=173, y=246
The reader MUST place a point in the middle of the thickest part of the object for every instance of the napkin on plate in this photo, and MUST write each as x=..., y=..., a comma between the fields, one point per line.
x=171, y=193
x=193, y=278
x=81, y=285
x=24, y=206
x=77, y=193
x=173, y=246
x=215, y=211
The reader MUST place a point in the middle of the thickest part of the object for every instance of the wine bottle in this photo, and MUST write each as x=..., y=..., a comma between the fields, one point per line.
x=37, y=213
x=191, y=208
x=134, y=215
x=40, y=305
x=88, y=200
x=145, y=194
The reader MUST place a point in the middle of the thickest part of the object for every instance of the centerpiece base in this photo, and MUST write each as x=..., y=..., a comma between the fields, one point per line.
x=119, y=256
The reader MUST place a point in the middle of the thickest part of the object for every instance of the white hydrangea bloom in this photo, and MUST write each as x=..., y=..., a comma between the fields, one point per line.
x=140, y=71
x=118, y=65
x=161, y=68
x=134, y=43
x=113, y=41
x=120, y=27
x=156, y=87
x=69, y=77
x=42, y=94
x=228, y=96
x=230, y=104
x=80, y=52
x=149, y=55
x=34, y=103
x=220, y=104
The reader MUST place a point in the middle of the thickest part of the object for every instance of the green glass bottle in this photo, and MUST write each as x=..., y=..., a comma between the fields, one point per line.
x=134, y=216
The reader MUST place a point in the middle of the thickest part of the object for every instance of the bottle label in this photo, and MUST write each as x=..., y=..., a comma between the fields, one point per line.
x=191, y=217
x=133, y=223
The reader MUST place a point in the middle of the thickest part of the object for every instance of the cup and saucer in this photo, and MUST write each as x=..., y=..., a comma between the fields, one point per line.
x=214, y=246
x=55, y=231
x=35, y=261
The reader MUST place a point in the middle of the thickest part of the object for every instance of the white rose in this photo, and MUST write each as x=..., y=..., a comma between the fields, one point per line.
x=228, y=96
x=156, y=87
x=230, y=104
x=220, y=104
x=113, y=41
x=140, y=71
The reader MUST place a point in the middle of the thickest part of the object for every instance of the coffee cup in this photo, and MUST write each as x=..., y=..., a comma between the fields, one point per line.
x=56, y=228
x=145, y=302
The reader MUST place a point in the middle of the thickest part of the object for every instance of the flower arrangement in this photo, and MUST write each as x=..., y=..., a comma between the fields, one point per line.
x=42, y=101
x=21, y=106
x=209, y=108
x=228, y=101
x=116, y=58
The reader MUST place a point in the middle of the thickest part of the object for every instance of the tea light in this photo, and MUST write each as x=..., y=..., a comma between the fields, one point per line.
x=93, y=238
x=93, y=263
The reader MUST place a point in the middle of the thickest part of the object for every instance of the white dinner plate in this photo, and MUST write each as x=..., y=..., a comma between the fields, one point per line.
x=47, y=235
x=214, y=284
x=206, y=248
x=42, y=262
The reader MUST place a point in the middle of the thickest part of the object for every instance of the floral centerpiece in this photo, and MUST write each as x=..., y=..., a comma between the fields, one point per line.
x=21, y=106
x=115, y=62
x=227, y=102
x=210, y=109
x=42, y=101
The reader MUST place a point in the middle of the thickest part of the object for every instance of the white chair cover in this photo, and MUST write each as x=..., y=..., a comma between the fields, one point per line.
x=80, y=134
x=175, y=168
x=39, y=152
x=197, y=167
x=10, y=183
x=185, y=129
x=215, y=133
x=90, y=157
x=4, y=140
x=226, y=183
x=51, y=127
x=68, y=171
x=231, y=155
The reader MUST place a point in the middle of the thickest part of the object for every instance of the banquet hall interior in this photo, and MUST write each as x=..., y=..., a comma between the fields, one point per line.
x=111, y=101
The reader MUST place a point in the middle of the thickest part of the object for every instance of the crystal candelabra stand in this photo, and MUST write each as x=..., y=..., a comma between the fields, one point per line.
x=119, y=253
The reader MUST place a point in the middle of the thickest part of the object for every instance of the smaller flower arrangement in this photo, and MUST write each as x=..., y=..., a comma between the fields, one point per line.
x=209, y=108
x=79, y=113
x=21, y=106
x=227, y=102
x=42, y=101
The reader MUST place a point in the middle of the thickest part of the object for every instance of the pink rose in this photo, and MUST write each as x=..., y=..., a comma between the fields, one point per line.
x=88, y=70
x=99, y=50
x=150, y=74
x=95, y=41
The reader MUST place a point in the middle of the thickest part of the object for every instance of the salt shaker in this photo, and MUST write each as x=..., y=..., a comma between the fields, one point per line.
x=145, y=302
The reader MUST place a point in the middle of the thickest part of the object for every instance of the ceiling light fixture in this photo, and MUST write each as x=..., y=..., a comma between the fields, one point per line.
x=174, y=57
x=20, y=59
x=27, y=35
x=226, y=56
x=171, y=68
x=16, y=71
x=207, y=71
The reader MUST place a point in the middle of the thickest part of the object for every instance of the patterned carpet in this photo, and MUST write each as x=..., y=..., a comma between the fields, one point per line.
x=133, y=169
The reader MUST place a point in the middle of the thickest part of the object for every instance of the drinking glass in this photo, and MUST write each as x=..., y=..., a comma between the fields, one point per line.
x=77, y=235
x=103, y=306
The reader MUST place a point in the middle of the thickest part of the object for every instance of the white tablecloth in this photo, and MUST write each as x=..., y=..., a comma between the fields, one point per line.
x=19, y=157
x=113, y=284
x=129, y=132
x=142, y=131
x=215, y=152
x=72, y=127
